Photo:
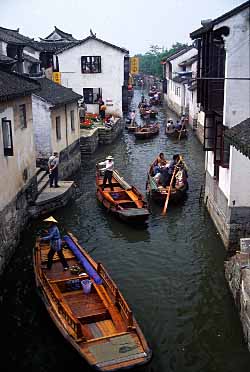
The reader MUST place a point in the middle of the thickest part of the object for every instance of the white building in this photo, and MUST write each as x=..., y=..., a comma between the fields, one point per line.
x=18, y=186
x=95, y=68
x=176, y=72
x=56, y=126
x=223, y=91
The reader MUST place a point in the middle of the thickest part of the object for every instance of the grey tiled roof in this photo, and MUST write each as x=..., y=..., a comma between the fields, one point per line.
x=13, y=36
x=63, y=34
x=239, y=137
x=6, y=59
x=56, y=93
x=68, y=46
x=52, y=46
x=13, y=85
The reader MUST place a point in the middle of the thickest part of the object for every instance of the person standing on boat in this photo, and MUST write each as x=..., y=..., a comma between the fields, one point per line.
x=108, y=171
x=53, y=164
x=55, y=243
x=132, y=116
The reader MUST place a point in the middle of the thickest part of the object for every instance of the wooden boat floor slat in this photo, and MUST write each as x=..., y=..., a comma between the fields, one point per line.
x=84, y=305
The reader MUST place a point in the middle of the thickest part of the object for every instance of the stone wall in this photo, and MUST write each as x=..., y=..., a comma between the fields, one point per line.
x=91, y=138
x=108, y=135
x=237, y=273
x=232, y=223
x=69, y=160
x=89, y=141
x=173, y=106
x=13, y=219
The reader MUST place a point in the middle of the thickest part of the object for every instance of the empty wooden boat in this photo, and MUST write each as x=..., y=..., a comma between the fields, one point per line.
x=158, y=193
x=125, y=201
x=147, y=131
x=88, y=309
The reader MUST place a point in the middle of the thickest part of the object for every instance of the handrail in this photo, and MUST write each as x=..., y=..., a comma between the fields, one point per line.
x=62, y=307
x=119, y=299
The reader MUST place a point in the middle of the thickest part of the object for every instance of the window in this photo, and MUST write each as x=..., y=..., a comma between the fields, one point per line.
x=58, y=128
x=7, y=138
x=22, y=116
x=72, y=120
x=91, y=65
x=91, y=95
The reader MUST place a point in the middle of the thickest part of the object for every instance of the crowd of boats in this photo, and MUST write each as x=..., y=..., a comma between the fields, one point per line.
x=149, y=114
x=83, y=301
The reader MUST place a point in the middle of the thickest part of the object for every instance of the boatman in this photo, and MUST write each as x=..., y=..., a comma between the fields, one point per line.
x=108, y=171
x=55, y=243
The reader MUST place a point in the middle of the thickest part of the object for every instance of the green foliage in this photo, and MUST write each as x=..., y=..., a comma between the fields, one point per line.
x=150, y=62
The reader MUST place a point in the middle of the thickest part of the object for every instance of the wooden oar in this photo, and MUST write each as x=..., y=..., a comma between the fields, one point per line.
x=181, y=130
x=164, y=211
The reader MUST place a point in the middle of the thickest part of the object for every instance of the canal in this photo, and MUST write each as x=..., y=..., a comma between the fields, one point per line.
x=171, y=274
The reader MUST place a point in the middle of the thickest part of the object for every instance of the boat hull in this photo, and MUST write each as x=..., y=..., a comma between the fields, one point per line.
x=68, y=309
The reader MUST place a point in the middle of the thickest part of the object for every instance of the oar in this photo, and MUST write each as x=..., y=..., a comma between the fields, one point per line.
x=164, y=211
x=181, y=130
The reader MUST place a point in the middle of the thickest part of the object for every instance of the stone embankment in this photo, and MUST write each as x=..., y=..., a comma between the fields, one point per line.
x=99, y=135
x=237, y=273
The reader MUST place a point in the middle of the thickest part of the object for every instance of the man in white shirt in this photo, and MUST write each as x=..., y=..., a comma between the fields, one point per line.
x=53, y=169
x=108, y=171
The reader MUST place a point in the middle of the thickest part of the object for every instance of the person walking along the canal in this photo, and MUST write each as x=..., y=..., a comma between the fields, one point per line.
x=108, y=171
x=53, y=164
x=55, y=243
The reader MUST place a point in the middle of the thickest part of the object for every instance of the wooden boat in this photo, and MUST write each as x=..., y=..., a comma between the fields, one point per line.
x=88, y=309
x=125, y=201
x=131, y=127
x=148, y=113
x=147, y=131
x=174, y=133
x=158, y=193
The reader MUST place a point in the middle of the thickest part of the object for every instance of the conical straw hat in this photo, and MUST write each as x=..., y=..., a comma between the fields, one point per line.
x=50, y=219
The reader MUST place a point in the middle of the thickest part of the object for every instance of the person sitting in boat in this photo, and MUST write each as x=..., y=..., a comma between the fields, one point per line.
x=159, y=163
x=166, y=173
x=178, y=125
x=108, y=171
x=55, y=243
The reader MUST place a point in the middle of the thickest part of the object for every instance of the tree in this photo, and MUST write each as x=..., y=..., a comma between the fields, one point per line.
x=150, y=62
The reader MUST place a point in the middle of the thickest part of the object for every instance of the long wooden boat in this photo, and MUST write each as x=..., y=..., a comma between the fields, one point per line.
x=88, y=309
x=174, y=133
x=125, y=201
x=147, y=131
x=158, y=193
x=148, y=113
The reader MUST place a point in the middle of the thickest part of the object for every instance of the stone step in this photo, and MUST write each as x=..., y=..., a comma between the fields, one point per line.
x=41, y=175
x=42, y=184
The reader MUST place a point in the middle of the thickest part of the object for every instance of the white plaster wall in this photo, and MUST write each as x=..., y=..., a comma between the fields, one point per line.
x=183, y=100
x=175, y=62
x=171, y=92
x=110, y=79
x=237, y=45
x=201, y=118
x=225, y=178
x=210, y=163
x=3, y=48
x=68, y=136
x=12, y=167
x=75, y=134
x=42, y=127
x=240, y=179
